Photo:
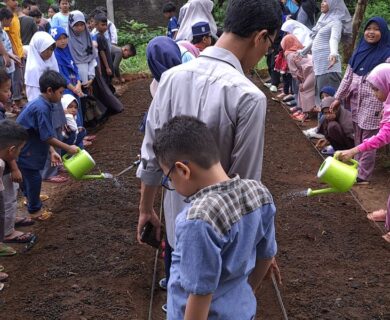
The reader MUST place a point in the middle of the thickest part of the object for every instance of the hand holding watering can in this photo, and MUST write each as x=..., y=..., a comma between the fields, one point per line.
x=55, y=158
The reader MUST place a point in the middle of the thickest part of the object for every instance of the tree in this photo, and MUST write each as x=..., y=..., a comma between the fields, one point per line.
x=356, y=23
x=110, y=10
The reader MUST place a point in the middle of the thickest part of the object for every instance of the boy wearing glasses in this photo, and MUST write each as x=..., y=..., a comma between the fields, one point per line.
x=224, y=238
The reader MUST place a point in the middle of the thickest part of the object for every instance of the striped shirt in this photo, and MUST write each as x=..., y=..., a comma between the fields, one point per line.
x=365, y=107
x=326, y=43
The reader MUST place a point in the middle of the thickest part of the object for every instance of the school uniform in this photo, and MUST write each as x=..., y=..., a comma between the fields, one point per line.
x=173, y=27
x=103, y=46
x=36, y=117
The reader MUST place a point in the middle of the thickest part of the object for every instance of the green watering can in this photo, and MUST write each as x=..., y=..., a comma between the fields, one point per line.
x=338, y=175
x=81, y=163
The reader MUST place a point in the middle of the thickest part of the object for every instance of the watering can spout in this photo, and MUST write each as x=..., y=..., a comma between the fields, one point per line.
x=97, y=176
x=311, y=193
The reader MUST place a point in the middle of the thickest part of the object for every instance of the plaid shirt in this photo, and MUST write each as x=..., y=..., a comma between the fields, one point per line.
x=365, y=107
x=225, y=203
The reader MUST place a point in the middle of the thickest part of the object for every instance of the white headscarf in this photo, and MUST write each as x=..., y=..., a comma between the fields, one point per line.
x=66, y=100
x=35, y=65
x=197, y=11
x=338, y=11
x=299, y=30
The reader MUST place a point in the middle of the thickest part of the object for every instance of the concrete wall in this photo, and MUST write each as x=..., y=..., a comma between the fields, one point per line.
x=146, y=11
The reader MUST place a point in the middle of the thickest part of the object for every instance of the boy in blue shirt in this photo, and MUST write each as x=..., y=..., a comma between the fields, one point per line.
x=169, y=11
x=36, y=118
x=224, y=239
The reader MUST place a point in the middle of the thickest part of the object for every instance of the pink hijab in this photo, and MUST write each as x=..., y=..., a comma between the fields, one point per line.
x=380, y=78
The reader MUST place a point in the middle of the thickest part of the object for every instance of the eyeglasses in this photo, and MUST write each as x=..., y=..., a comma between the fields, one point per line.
x=166, y=181
x=271, y=47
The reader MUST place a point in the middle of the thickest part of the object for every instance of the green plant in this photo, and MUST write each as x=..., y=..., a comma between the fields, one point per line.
x=139, y=34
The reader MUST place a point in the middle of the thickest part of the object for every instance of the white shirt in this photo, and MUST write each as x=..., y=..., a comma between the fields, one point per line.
x=214, y=89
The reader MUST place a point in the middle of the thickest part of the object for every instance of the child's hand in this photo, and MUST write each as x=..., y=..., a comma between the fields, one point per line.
x=108, y=71
x=16, y=176
x=346, y=155
x=55, y=159
x=72, y=149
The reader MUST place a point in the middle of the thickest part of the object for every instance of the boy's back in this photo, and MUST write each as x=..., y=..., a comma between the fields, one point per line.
x=219, y=237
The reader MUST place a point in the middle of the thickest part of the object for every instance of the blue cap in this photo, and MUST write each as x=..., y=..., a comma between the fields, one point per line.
x=200, y=29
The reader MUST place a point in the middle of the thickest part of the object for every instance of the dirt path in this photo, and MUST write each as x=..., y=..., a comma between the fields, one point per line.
x=87, y=264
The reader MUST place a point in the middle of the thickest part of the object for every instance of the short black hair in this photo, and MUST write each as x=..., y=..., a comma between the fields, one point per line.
x=4, y=76
x=198, y=39
x=101, y=9
x=51, y=79
x=6, y=13
x=186, y=138
x=54, y=7
x=11, y=134
x=243, y=17
x=131, y=47
x=59, y=1
x=36, y=13
x=169, y=7
x=26, y=4
x=100, y=17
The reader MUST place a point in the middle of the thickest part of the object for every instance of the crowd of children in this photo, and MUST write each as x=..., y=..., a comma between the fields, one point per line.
x=64, y=68
x=204, y=131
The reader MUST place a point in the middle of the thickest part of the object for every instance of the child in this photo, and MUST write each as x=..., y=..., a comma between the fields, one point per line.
x=70, y=106
x=51, y=11
x=61, y=19
x=36, y=117
x=8, y=55
x=14, y=35
x=12, y=139
x=81, y=48
x=117, y=54
x=169, y=11
x=36, y=14
x=225, y=237
x=10, y=175
x=28, y=27
x=105, y=58
x=40, y=58
x=66, y=65
x=379, y=80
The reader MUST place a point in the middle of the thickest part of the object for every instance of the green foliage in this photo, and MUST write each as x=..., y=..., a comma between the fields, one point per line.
x=219, y=11
x=378, y=8
x=138, y=34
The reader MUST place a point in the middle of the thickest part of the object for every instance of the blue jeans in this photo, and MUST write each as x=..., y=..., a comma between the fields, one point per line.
x=32, y=182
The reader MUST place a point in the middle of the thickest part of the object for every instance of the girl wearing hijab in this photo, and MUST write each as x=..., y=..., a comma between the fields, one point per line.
x=81, y=48
x=66, y=65
x=39, y=58
x=301, y=69
x=162, y=54
x=196, y=11
x=306, y=13
x=379, y=81
x=299, y=30
x=334, y=22
x=373, y=49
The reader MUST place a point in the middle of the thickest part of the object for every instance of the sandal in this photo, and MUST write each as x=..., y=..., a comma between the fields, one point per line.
x=57, y=179
x=377, y=216
x=288, y=98
x=87, y=143
x=24, y=222
x=23, y=238
x=45, y=215
x=6, y=251
x=386, y=237
x=3, y=276
x=90, y=138
x=42, y=197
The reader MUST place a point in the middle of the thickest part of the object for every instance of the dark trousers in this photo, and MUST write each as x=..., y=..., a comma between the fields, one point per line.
x=32, y=183
x=287, y=83
x=167, y=260
x=337, y=137
x=275, y=76
x=2, y=216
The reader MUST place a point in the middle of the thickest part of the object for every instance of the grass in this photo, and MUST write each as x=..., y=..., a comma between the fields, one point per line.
x=136, y=64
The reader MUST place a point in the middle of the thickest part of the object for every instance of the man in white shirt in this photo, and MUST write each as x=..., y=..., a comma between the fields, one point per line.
x=214, y=89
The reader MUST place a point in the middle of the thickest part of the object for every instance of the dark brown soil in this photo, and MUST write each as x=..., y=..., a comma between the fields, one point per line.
x=88, y=265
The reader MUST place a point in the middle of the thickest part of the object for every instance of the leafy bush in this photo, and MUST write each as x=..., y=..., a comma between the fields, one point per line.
x=378, y=8
x=138, y=34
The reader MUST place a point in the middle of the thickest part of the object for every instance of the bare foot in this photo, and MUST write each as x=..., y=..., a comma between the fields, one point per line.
x=387, y=237
x=377, y=216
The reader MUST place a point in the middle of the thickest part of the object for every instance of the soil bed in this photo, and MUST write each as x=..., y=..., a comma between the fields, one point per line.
x=88, y=265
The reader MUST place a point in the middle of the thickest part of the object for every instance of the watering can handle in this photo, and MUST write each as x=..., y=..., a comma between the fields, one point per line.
x=66, y=156
x=354, y=163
